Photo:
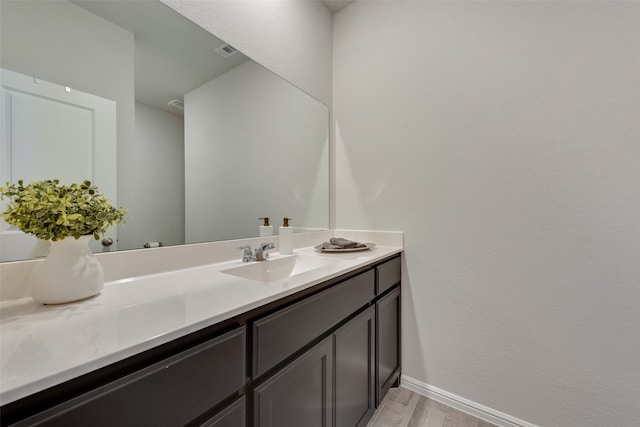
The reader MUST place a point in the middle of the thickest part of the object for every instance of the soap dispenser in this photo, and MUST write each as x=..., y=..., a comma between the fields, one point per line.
x=286, y=237
x=265, y=228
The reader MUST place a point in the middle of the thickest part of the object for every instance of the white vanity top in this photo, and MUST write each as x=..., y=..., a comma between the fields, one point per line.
x=42, y=346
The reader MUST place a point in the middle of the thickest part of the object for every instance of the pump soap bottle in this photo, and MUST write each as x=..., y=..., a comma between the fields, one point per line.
x=266, y=229
x=286, y=237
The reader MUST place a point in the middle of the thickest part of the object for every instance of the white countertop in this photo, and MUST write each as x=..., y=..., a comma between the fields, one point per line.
x=41, y=346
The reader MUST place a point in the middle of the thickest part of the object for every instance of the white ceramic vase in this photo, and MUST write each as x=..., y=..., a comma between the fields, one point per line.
x=69, y=273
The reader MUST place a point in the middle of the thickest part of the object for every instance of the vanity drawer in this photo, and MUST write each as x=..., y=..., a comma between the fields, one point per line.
x=282, y=333
x=172, y=392
x=388, y=275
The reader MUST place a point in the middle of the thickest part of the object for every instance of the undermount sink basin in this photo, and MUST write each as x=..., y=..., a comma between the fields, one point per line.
x=278, y=268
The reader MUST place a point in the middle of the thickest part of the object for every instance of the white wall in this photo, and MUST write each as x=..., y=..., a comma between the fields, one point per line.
x=291, y=38
x=504, y=139
x=157, y=213
x=251, y=117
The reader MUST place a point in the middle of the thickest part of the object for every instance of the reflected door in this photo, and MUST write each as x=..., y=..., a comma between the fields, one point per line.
x=54, y=132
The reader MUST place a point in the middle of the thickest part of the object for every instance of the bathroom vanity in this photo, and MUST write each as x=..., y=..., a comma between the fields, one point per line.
x=320, y=348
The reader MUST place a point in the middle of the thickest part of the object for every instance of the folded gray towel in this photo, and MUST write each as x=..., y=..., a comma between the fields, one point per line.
x=327, y=245
x=340, y=243
x=343, y=243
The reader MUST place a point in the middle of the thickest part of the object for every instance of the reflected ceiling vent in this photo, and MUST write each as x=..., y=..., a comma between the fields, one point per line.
x=176, y=103
x=226, y=50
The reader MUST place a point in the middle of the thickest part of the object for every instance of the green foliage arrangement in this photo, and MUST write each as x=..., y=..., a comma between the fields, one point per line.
x=52, y=211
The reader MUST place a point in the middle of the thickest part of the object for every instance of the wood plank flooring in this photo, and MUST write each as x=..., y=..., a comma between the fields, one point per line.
x=405, y=408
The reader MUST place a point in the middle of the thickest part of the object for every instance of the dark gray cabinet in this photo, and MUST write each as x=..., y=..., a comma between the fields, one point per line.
x=388, y=343
x=279, y=335
x=333, y=384
x=295, y=395
x=354, y=346
x=157, y=395
x=232, y=416
x=301, y=394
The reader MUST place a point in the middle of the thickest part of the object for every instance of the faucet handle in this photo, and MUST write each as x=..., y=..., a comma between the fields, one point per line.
x=247, y=254
x=262, y=253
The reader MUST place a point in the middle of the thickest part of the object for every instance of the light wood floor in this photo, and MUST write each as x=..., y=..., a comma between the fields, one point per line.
x=404, y=408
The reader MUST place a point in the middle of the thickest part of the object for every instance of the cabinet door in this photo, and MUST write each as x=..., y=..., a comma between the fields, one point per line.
x=388, y=343
x=301, y=394
x=232, y=416
x=354, y=365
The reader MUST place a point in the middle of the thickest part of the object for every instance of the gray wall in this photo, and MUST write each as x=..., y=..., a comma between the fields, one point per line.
x=260, y=145
x=504, y=139
x=160, y=179
x=291, y=38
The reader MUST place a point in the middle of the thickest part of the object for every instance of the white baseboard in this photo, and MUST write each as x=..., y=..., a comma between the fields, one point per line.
x=461, y=404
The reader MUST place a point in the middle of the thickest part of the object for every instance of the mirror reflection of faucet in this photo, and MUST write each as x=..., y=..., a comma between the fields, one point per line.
x=260, y=254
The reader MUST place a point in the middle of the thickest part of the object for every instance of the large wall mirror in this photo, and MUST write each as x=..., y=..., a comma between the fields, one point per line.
x=206, y=141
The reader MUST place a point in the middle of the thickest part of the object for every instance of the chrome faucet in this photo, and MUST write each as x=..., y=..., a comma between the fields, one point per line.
x=262, y=253
x=247, y=254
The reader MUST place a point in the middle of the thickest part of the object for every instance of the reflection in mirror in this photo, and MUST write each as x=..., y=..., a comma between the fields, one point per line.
x=207, y=143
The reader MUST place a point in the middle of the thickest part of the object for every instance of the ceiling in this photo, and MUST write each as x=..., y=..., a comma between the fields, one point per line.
x=173, y=55
x=336, y=5
x=164, y=69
